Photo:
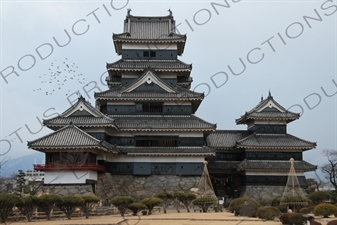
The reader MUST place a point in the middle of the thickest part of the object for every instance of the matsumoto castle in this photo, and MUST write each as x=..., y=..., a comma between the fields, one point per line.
x=142, y=135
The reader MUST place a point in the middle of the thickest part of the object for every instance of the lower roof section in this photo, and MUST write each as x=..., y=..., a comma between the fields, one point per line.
x=231, y=139
x=275, y=141
x=225, y=139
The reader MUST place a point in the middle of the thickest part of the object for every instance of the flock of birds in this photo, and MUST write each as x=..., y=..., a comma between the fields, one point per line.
x=58, y=75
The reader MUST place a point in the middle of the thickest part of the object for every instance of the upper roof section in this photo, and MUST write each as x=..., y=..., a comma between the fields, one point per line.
x=145, y=29
x=267, y=110
x=81, y=114
x=141, y=89
x=158, y=65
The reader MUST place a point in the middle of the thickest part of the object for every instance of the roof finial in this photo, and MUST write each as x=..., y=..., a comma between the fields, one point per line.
x=170, y=12
x=261, y=98
x=129, y=10
x=269, y=93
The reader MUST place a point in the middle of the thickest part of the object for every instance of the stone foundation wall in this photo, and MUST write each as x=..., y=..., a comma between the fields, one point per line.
x=62, y=190
x=263, y=191
x=109, y=186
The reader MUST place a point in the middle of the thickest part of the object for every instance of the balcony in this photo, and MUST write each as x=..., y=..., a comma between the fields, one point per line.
x=75, y=166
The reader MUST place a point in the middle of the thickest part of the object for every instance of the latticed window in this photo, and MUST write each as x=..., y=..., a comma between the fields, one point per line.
x=152, y=107
x=155, y=141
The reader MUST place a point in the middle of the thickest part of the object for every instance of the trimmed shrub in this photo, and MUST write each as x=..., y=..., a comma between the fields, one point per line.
x=319, y=197
x=306, y=210
x=7, y=203
x=166, y=197
x=218, y=208
x=325, y=210
x=282, y=208
x=245, y=206
x=204, y=202
x=268, y=212
x=151, y=203
x=89, y=204
x=332, y=222
x=69, y=204
x=27, y=206
x=296, y=218
x=265, y=201
x=46, y=203
x=136, y=207
x=122, y=203
x=185, y=198
x=284, y=218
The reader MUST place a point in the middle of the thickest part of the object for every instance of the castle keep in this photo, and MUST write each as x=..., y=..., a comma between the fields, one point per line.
x=142, y=135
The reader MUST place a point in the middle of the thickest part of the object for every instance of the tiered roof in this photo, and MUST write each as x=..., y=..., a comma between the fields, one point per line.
x=70, y=137
x=274, y=141
x=81, y=114
x=223, y=139
x=162, y=123
x=172, y=65
x=268, y=109
x=168, y=93
x=155, y=29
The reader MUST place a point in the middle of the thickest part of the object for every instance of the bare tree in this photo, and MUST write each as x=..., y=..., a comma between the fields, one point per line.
x=330, y=169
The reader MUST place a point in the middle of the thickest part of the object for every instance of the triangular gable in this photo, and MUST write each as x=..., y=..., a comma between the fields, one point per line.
x=81, y=113
x=80, y=106
x=149, y=77
x=270, y=105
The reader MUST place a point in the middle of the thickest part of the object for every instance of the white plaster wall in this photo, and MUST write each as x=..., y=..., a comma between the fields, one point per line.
x=69, y=177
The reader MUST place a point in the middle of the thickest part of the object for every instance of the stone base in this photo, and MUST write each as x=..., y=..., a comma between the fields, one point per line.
x=257, y=192
x=63, y=190
x=138, y=187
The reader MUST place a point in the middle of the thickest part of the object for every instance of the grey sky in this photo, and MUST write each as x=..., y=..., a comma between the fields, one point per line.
x=299, y=60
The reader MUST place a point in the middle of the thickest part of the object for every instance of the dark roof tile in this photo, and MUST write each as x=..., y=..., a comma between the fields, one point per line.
x=161, y=122
x=274, y=141
x=157, y=65
x=225, y=139
x=69, y=137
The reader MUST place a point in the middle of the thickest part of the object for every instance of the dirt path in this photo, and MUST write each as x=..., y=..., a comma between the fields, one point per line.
x=170, y=218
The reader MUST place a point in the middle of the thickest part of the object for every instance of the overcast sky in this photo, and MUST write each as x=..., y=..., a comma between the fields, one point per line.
x=283, y=51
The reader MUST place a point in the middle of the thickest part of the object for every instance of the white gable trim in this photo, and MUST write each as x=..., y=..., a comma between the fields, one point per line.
x=80, y=106
x=149, y=77
x=271, y=104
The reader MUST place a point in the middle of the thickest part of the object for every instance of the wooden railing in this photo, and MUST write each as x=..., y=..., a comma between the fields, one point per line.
x=74, y=166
